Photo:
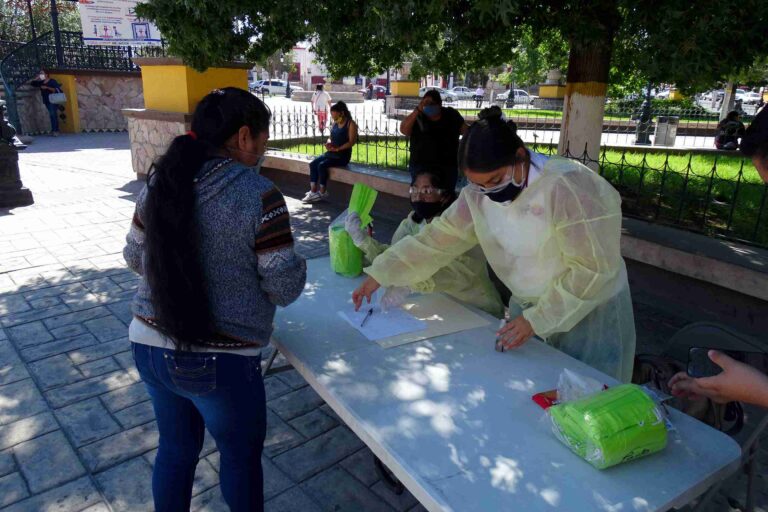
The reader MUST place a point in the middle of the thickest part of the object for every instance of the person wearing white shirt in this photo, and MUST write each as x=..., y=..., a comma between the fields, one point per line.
x=321, y=100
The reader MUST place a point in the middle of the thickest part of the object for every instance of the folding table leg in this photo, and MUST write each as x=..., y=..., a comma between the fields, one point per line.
x=271, y=360
x=389, y=479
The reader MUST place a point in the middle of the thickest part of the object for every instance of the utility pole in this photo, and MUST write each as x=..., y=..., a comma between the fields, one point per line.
x=57, y=35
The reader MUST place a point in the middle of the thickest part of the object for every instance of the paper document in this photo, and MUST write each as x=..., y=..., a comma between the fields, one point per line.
x=382, y=325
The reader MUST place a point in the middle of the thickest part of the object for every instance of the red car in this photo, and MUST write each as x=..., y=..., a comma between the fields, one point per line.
x=379, y=92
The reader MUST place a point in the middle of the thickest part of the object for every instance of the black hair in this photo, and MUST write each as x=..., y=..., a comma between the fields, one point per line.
x=319, y=87
x=437, y=180
x=342, y=108
x=755, y=139
x=435, y=95
x=172, y=258
x=732, y=115
x=490, y=143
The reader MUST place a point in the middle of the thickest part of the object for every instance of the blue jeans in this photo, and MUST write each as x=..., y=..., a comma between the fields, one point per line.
x=194, y=390
x=318, y=168
x=53, y=113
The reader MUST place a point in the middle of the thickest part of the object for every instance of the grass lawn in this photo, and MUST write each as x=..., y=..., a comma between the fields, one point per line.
x=715, y=194
x=524, y=113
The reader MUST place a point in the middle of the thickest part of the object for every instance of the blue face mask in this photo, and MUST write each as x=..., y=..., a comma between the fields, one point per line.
x=257, y=167
x=431, y=110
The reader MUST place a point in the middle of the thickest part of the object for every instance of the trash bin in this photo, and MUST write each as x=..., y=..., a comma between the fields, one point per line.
x=666, y=130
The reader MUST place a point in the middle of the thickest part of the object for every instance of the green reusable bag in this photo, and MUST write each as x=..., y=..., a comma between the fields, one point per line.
x=361, y=202
x=614, y=426
x=346, y=259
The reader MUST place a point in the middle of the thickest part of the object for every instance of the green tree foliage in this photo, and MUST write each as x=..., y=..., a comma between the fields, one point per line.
x=14, y=18
x=688, y=43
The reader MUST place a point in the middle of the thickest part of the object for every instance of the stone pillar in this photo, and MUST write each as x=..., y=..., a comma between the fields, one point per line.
x=172, y=90
x=12, y=191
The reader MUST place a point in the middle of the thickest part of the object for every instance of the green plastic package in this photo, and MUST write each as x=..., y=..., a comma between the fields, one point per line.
x=614, y=426
x=346, y=259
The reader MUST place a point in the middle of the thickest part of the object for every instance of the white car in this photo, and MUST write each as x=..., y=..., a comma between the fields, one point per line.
x=663, y=95
x=446, y=96
x=463, y=93
x=751, y=98
x=520, y=97
x=277, y=87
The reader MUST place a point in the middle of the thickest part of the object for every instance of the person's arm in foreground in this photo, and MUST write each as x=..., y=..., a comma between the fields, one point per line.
x=406, y=126
x=738, y=382
x=133, y=252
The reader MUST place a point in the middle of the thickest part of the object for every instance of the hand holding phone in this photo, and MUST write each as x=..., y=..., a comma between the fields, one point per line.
x=701, y=365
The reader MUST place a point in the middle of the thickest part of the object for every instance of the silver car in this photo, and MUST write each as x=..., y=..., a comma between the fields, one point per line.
x=445, y=95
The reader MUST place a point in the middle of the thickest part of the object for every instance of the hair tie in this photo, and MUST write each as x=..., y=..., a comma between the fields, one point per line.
x=192, y=134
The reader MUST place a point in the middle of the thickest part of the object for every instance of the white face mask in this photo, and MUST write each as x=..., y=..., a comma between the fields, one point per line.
x=40, y=76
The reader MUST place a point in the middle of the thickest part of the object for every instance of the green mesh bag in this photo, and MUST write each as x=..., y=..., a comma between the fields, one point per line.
x=614, y=426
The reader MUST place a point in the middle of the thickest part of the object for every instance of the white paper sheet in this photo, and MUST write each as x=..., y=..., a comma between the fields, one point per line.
x=440, y=315
x=382, y=325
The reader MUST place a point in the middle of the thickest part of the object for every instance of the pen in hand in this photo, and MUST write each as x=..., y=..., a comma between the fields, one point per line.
x=499, y=345
x=367, y=316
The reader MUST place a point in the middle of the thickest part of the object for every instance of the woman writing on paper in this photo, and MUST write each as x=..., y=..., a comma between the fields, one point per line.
x=550, y=229
x=464, y=278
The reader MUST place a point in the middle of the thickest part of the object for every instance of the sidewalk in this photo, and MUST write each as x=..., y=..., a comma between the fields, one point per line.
x=77, y=430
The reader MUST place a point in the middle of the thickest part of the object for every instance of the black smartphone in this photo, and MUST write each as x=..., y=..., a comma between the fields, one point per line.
x=700, y=365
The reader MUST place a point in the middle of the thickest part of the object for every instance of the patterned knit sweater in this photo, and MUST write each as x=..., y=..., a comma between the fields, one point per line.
x=248, y=260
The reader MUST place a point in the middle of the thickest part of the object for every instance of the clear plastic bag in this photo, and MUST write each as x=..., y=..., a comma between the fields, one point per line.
x=346, y=258
x=607, y=427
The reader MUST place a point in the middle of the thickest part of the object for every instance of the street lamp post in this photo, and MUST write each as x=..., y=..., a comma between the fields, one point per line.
x=287, y=80
x=643, y=132
x=57, y=34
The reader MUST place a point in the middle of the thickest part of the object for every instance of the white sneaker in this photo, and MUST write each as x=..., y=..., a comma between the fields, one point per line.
x=325, y=195
x=312, y=197
x=309, y=193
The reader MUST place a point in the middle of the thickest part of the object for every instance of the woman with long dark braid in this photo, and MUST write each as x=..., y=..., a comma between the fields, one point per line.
x=212, y=241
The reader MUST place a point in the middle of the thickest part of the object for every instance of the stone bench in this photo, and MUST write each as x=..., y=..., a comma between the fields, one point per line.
x=737, y=267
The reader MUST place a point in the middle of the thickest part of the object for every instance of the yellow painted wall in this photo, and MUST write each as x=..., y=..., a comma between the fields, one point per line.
x=200, y=84
x=674, y=94
x=551, y=91
x=72, y=123
x=177, y=88
x=404, y=88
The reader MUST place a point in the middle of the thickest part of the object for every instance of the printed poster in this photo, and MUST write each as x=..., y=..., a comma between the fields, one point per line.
x=114, y=23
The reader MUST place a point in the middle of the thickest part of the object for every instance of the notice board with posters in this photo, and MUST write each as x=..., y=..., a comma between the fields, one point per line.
x=114, y=23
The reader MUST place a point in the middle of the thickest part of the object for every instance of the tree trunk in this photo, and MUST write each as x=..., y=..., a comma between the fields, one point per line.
x=729, y=98
x=587, y=83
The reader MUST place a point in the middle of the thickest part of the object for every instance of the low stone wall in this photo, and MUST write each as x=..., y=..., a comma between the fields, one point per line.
x=150, y=133
x=32, y=113
x=347, y=97
x=101, y=99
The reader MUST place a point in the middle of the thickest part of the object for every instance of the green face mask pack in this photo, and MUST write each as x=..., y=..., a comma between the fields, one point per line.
x=613, y=426
x=346, y=259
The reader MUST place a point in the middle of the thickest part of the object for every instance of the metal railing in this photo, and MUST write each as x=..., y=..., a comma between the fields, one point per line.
x=7, y=47
x=716, y=194
x=24, y=62
x=623, y=122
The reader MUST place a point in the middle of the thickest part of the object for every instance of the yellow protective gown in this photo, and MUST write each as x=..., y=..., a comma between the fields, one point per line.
x=465, y=277
x=556, y=247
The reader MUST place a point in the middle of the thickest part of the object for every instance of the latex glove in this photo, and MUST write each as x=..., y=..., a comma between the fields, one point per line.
x=353, y=225
x=394, y=297
x=365, y=291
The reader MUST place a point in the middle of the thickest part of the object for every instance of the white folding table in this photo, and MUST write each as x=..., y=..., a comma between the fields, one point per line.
x=454, y=421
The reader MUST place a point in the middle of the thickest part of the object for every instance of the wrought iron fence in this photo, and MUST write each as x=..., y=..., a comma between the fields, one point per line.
x=7, y=47
x=25, y=61
x=713, y=193
x=695, y=122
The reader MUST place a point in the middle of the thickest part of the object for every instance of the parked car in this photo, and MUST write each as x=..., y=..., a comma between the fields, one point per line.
x=256, y=86
x=379, y=92
x=446, y=96
x=463, y=93
x=663, y=95
x=277, y=87
x=752, y=98
x=519, y=97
